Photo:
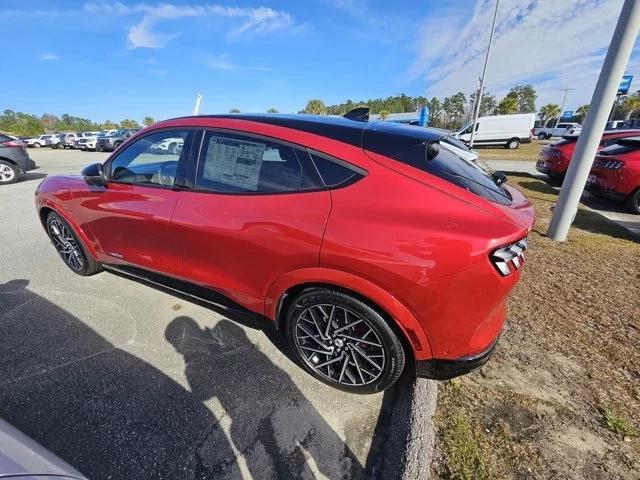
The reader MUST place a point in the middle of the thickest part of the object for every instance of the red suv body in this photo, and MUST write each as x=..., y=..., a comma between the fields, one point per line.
x=616, y=173
x=554, y=159
x=369, y=244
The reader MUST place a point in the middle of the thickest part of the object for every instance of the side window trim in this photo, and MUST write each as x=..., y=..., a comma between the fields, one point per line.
x=226, y=131
x=339, y=161
x=183, y=160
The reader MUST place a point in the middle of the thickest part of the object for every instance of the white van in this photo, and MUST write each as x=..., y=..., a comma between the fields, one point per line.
x=507, y=130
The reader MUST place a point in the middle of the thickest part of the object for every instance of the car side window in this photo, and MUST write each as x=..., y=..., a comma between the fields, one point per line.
x=150, y=160
x=334, y=173
x=231, y=163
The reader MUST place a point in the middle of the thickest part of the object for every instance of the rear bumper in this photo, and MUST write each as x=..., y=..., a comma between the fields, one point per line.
x=442, y=369
x=603, y=192
x=551, y=168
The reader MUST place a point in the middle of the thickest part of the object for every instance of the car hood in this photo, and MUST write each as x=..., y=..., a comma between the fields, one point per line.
x=20, y=456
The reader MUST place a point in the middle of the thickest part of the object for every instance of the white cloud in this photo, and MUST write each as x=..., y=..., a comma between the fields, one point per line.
x=144, y=34
x=547, y=43
x=223, y=62
x=48, y=57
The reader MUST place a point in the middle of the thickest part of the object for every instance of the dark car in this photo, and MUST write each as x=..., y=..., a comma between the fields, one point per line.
x=111, y=141
x=359, y=241
x=14, y=159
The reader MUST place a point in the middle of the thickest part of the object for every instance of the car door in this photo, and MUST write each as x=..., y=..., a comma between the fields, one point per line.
x=256, y=211
x=130, y=217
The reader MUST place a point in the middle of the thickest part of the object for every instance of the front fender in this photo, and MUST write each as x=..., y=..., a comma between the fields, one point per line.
x=402, y=317
x=86, y=239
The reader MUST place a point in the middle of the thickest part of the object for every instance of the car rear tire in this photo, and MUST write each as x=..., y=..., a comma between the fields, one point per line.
x=632, y=203
x=541, y=136
x=70, y=248
x=343, y=341
x=513, y=144
x=116, y=145
x=9, y=173
x=36, y=145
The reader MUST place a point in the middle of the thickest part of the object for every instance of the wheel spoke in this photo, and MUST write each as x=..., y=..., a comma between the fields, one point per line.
x=360, y=340
x=348, y=326
x=329, y=362
x=344, y=367
x=315, y=322
x=324, y=352
x=333, y=310
x=364, y=355
x=313, y=337
x=355, y=360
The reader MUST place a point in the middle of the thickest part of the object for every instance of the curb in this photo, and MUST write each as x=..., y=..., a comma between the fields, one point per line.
x=411, y=437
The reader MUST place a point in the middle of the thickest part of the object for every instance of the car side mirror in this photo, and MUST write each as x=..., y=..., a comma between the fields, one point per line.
x=94, y=175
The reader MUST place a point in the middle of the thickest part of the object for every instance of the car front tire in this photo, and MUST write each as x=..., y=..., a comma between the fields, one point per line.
x=343, y=341
x=541, y=136
x=70, y=248
x=36, y=145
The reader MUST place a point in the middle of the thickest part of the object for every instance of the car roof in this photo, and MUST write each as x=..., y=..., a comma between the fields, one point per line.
x=385, y=138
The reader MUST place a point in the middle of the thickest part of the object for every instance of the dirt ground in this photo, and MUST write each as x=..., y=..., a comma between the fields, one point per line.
x=561, y=396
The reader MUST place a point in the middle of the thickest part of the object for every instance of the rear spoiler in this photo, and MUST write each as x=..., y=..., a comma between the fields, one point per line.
x=360, y=114
x=629, y=142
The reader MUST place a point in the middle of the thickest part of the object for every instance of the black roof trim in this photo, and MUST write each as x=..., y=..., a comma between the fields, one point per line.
x=384, y=138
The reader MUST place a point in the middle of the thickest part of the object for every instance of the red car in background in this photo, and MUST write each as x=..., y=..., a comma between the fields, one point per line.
x=554, y=159
x=616, y=173
x=369, y=245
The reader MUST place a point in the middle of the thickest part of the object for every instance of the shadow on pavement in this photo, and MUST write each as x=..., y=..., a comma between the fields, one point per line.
x=113, y=415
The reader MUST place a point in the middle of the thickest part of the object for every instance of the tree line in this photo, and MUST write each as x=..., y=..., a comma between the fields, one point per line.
x=450, y=112
x=22, y=124
x=454, y=111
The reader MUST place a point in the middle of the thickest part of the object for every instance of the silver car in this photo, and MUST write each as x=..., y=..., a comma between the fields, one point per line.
x=21, y=457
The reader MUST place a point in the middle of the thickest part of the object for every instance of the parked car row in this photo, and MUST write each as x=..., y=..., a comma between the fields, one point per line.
x=107, y=140
x=615, y=172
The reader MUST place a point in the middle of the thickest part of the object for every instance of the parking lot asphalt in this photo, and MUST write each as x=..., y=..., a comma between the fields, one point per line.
x=609, y=209
x=123, y=380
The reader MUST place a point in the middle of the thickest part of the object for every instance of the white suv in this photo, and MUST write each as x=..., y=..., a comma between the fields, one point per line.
x=37, y=142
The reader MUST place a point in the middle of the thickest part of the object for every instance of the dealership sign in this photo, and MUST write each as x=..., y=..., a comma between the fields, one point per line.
x=625, y=84
x=567, y=114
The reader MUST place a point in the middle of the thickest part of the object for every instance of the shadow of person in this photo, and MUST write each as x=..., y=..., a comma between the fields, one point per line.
x=275, y=429
x=103, y=410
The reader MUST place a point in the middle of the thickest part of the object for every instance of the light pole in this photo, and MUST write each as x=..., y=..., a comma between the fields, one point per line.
x=564, y=99
x=615, y=62
x=484, y=73
x=196, y=109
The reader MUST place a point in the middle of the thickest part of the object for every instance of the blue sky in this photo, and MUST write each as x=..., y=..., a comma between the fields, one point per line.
x=111, y=60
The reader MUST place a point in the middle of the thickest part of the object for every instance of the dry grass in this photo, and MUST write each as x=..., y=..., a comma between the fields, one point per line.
x=526, y=151
x=570, y=351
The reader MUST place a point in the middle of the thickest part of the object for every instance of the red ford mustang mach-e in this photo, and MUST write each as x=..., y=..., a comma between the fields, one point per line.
x=371, y=245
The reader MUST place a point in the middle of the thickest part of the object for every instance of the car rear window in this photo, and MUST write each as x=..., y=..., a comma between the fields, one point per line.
x=618, y=149
x=442, y=163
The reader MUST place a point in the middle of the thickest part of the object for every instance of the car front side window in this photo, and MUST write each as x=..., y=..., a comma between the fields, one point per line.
x=232, y=163
x=150, y=160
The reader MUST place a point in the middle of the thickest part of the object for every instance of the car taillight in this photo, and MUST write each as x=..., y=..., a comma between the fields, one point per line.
x=604, y=162
x=551, y=152
x=11, y=143
x=509, y=258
